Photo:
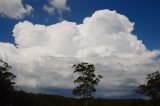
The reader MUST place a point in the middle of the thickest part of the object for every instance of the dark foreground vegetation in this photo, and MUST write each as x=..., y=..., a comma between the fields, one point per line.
x=86, y=80
x=20, y=98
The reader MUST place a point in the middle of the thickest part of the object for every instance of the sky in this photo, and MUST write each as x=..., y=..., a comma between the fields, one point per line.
x=42, y=39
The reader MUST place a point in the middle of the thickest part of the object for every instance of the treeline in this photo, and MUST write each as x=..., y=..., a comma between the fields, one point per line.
x=21, y=98
x=85, y=89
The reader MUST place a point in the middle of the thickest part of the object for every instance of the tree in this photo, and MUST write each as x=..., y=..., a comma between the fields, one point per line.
x=152, y=87
x=6, y=80
x=86, y=81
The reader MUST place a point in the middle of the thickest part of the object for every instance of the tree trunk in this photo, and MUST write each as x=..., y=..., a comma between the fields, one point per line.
x=86, y=101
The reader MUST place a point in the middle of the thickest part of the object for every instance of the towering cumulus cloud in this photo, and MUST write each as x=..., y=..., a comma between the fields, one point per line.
x=44, y=55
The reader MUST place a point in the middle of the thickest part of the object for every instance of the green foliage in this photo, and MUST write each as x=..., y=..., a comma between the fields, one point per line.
x=6, y=80
x=86, y=80
x=152, y=87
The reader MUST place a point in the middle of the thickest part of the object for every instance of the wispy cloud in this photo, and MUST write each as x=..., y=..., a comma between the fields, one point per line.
x=58, y=6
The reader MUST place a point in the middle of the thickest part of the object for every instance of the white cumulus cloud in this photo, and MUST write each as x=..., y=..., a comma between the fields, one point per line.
x=44, y=55
x=14, y=9
x=56, y=5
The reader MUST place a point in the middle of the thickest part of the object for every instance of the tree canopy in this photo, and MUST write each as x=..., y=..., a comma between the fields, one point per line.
x=86, y=81
x=6, y=79
x=152, y=87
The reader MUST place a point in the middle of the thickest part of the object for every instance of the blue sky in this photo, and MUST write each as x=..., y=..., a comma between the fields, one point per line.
x=145, y=14
x=42, y=39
